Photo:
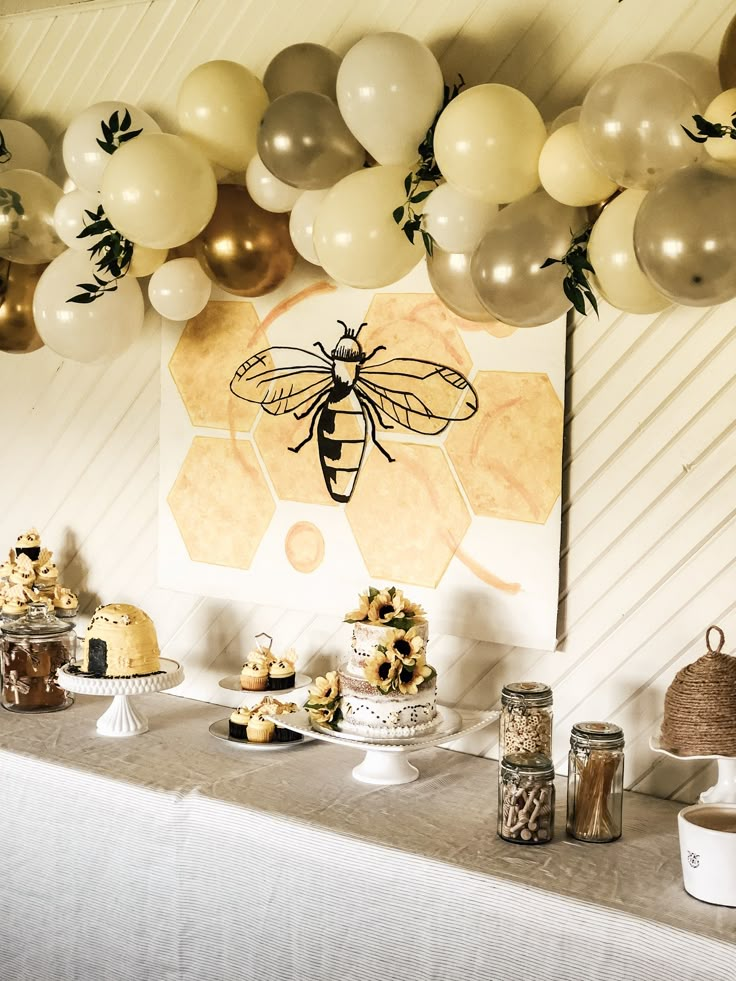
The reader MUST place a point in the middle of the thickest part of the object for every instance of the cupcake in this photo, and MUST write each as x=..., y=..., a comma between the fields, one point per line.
x=7, y=566
x=46, y=571
x=254, y=675
x=260, y=730
x=29, y=543
x=287, y=735
x=281, y=674
x=23, y=574
x=65, y=603
x=238, y=723
x=15, y=602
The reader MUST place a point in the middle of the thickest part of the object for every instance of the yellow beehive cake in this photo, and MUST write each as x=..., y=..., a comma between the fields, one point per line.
x=120, y=642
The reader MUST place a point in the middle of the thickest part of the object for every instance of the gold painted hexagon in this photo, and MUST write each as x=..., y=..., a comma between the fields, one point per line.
x=295, y=476
x=408, y=517
x=508, y=457
x=211, y=348
x=221, y=502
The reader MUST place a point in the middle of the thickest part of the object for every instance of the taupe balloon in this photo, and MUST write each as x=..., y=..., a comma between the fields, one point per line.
x=245, y=250
x=507, y=265
x=304, y=142
x=685, y=236
x=302, y=68
x=449, y=274
x=727, y=57
x=18, y=334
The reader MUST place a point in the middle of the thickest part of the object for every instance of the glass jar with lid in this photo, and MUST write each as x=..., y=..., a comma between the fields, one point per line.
x=526, y=798
x=33, y=648
x=595, y=781
x=526, y=719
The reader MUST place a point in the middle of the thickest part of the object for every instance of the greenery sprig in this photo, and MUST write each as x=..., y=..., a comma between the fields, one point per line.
x=575, y=284
x=111, y=253
x=405, y=215
x=117, y=131
x=11, y=201
x=711, y=131
x=5, y=154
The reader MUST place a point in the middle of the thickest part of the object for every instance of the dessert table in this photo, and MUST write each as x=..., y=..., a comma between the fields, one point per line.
x=174, y=856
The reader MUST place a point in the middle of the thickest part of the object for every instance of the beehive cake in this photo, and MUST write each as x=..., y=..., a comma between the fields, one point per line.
x=120, y=642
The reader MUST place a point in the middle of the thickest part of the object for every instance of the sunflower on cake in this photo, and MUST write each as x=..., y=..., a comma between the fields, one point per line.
x=383, y=686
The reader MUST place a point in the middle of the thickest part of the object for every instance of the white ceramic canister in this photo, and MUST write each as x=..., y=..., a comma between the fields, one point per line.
x=708, y=852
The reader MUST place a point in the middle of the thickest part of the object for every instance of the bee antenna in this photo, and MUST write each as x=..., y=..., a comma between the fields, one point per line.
x=343, y=324
x=360, y=328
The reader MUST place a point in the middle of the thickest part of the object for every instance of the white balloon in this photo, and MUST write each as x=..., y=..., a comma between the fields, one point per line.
x=88, y=332
x=571, y=115
x=389, y=89
x=70, y=218
x=268, y=191
x=22, y=148
x=84, y=158
x=145, y=261
x=301, y=224
x=568, y=174
x=179, y=289
x=456, y=221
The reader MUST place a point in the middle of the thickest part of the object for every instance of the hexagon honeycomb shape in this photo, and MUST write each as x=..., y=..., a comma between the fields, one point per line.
x=509, y=455
x=210, y=349
x=221, y=502
x=295, y=476
x=408, y=517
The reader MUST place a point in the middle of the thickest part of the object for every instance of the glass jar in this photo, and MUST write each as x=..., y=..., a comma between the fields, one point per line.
x=595, y=781
x=526, y=719
x=526, y=799
x=33, y=649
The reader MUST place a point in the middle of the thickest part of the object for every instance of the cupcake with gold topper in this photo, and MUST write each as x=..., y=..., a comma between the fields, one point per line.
x=7, y=566
x=23, y=573
x=15, y=602
x=65, y=602
x=47, y=574
x=28, y=543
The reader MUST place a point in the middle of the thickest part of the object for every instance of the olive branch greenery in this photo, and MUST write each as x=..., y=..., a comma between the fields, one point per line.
x=575, y=284
x=5, y=154
x=117, y=131
x=112, y=254
x=11, y=201
x=406, y=216
x=711, y=131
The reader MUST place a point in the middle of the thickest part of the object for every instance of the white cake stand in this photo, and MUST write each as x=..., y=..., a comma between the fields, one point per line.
x=122, y=718
x=385, y=761
x=724, y=789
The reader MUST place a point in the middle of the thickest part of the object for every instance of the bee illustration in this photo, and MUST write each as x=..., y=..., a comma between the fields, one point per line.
x=346, y=398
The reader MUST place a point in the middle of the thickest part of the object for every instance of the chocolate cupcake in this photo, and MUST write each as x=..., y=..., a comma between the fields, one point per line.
x=281, y=675
x=238, y=723
x=29, y=543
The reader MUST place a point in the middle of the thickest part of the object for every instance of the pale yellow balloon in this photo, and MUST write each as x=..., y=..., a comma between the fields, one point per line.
x=568, y=174
x=721, y=110
x=146, y=261
x=355, y=236
x=611, y=252
x=220, y=107
x=487, y=143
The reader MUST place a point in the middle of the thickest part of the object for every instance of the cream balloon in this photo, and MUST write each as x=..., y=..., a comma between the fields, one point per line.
x=268, y=191
x=449, y=274
x=571, y=115
x=21, y=148
x=699, y=73
x=618, y=275
x=355, y=236
x=27, y=204
x=88, y=332
x=72, y=215
x=721, y=110
x=179, y=289
x=487, y=143
x=568, y=174
x=456, y=221
x=389, y=90
x=219, y=107
x=146, y=261
x=85, y=158
x=159, y=191
x=301, y=223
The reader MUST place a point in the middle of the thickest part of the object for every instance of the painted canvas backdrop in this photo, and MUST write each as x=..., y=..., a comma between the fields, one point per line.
x=467, y=521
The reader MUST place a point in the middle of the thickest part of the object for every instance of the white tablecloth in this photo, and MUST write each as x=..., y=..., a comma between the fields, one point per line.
x=173, y=856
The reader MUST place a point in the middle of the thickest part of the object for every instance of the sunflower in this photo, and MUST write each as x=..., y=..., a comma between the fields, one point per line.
x=381, y=669
x=324, y=690
x=413, y=611
x=386, y=605
x=357, y=616
x=405, y=645
x=412, y=675
x=326, y=715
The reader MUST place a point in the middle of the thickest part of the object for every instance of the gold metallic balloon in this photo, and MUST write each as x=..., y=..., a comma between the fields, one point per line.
x=727, y=57
x=245, y=250
x=18, y=334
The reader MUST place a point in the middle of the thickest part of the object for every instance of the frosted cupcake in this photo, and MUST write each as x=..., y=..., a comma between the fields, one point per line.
x=15, y=602
x=46, y=572
x=23, y=573
x=283, y=735
x=7, y=566
x=29, y=543
x=260, y=730
x=238, y=723
x=65, y=603
x=281, y=674
x=254, y=675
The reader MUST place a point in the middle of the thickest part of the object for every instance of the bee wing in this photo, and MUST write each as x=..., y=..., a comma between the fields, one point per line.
x=282, y=379
x=421, y=396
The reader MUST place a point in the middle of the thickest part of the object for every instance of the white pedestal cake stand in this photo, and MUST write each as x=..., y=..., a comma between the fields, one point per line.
x=724, y=789
x=122, y=718
x=385, y=761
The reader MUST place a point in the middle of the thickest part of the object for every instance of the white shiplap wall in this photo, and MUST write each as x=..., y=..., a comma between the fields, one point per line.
x=648, y=541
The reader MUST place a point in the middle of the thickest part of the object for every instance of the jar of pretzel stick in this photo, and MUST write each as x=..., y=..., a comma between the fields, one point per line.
x=595, y=781
x=526, y=798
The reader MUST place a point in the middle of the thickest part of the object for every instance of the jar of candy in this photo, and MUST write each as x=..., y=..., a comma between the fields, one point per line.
x=33, y=648
x=526, y=798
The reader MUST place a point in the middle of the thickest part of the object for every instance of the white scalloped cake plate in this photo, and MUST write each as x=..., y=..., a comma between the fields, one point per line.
x=221, y=730
x=232, y=683
x=170, y=675
x=655, y=743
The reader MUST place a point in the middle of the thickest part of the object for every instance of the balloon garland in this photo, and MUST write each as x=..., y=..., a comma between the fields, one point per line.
x=367, y=165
